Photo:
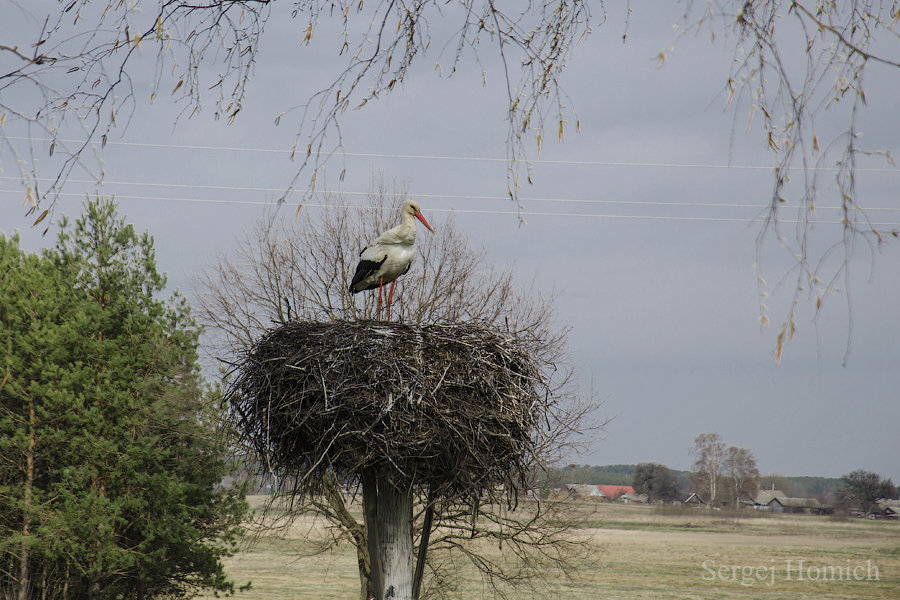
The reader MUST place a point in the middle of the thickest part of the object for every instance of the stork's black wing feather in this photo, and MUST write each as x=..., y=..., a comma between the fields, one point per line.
x=363, y=270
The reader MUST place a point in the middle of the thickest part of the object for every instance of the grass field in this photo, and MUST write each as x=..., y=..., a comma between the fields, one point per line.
x=640, y=552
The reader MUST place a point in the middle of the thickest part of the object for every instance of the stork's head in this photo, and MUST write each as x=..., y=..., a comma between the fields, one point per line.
x=412, y=207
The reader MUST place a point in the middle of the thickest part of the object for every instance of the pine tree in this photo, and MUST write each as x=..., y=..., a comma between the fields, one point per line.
x=112, y=464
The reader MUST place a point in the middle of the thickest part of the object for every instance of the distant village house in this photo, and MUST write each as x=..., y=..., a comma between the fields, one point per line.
x=777, y=501
x=622, y=493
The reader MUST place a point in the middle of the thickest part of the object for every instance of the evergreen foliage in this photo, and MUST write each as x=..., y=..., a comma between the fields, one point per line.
x=110, y=470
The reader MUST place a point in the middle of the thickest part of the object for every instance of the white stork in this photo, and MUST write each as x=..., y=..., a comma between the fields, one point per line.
x=389, y=256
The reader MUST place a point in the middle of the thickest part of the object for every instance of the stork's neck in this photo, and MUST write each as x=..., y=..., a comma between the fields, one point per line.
x=407, y=230
x=404, y=234
x=409, y=221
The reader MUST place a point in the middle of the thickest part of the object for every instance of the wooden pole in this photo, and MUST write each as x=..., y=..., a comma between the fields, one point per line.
x=390, y=534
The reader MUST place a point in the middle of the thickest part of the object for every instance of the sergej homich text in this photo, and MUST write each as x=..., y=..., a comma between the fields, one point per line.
x=788, y=570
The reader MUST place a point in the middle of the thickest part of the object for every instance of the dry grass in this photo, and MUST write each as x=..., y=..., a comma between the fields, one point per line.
x=642, y=553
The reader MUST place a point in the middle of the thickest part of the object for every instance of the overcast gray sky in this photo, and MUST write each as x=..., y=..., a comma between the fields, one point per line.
x=642, y=223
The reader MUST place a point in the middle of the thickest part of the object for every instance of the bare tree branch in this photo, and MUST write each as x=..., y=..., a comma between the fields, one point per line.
x=84, y=59
x=839, y=39
x=297, y=270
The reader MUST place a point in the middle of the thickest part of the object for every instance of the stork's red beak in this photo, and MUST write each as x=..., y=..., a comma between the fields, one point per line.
x=420, y=217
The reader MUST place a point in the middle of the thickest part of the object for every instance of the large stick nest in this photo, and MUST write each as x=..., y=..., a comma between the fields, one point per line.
x=454, y=407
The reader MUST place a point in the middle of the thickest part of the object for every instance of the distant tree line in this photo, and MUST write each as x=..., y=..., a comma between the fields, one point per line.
x=591, y=474
x=722, y=475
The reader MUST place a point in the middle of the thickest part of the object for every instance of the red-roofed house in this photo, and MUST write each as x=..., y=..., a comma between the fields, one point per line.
x=613, y=492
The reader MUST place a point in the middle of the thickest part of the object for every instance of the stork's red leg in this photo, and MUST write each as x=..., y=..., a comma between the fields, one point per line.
x=390, y=296
x=380, y=285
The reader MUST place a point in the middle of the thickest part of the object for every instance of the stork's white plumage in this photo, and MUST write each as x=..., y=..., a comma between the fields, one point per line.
x=389, y=257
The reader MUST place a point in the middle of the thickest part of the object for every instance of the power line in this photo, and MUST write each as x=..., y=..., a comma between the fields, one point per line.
x=417, y=195
x=436, y=196
x=478, y=212
x=591, y=163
